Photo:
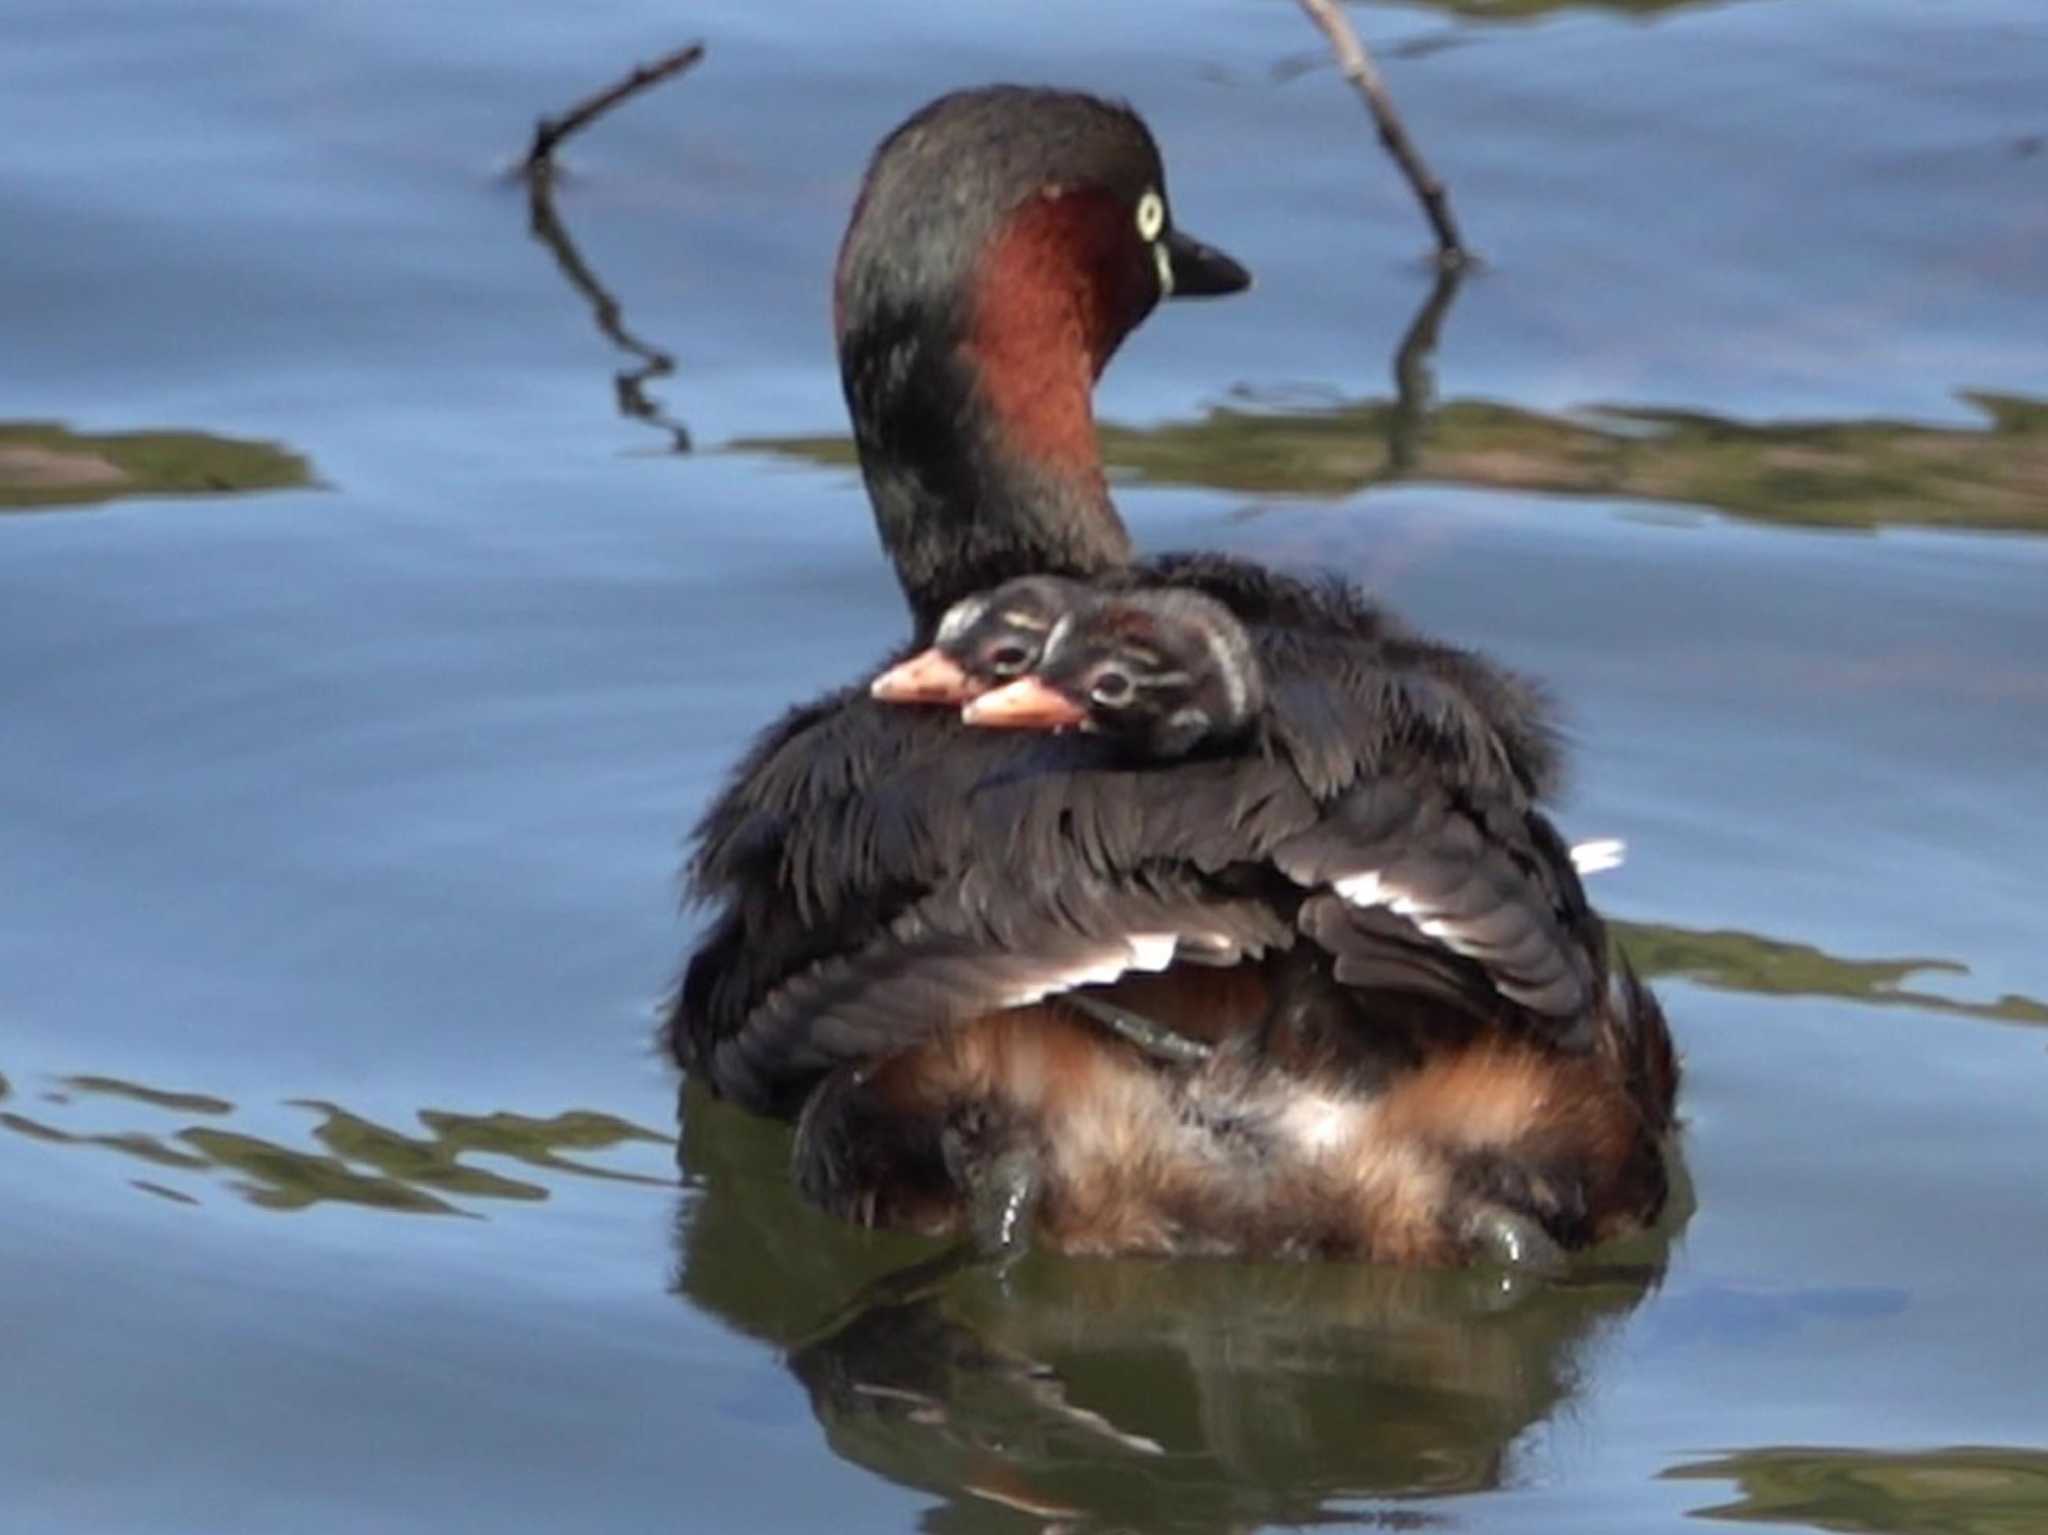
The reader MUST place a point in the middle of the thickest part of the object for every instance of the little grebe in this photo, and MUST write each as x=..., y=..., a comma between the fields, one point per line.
x=920, y=925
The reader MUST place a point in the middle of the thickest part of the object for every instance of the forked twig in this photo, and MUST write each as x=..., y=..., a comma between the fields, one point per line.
x=538, y=169
x=1358, y=68
x=550, y=131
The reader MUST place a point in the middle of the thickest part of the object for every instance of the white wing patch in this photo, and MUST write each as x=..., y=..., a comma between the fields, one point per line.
x=1152, y=951
x=1599, y=855
x=1139, y=951
x=1368, y=888
x=1362, y=889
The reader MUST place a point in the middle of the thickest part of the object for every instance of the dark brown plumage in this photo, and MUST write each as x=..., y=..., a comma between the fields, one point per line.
x=901, y=902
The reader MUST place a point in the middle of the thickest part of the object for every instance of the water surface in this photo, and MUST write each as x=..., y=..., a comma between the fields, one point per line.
x=349, y=730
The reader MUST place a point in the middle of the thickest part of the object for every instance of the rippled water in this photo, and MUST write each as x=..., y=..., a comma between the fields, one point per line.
x=339, y=820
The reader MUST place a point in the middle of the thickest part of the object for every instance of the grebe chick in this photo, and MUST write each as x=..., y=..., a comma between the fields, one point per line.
x=1164, y=672
x=983, y=641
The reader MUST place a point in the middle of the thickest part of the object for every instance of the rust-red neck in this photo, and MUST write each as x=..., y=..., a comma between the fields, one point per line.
x=1050, y=298
x=974, y=415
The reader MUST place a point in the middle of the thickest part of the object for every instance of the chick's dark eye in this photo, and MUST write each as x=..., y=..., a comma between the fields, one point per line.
x=1111, y=689
x=1009, y=659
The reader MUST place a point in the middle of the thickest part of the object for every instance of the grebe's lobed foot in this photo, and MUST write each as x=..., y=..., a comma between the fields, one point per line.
x=1515, y=1242
x=1155, y=1039
x=996, y=1166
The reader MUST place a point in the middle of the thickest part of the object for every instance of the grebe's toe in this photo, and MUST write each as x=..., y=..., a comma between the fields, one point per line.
x=1514, y=1242
x=996, y=1164
x=1157, y=1040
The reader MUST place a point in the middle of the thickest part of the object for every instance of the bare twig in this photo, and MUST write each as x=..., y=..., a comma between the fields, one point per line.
x=1358, y=69
x=550, y=131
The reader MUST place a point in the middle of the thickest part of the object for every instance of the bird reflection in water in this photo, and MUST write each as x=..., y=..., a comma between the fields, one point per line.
x=1178, y=1395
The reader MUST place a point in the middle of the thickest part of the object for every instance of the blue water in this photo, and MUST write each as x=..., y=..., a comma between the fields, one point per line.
x=342, y=805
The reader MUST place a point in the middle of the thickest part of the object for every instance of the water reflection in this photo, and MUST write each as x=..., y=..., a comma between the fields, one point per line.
x=161, y=1192
x=1737, y=961
x=44, y=464
x=1718, y=1316
x=155, y=1097
x=1964, y=1491
x=1530, y=10
x=133, y=1142
x=629, y=385
x=1222, y=1396
x=1831, y=473
x=365, y=1163
x=1184, y=1395
x=1852, y=474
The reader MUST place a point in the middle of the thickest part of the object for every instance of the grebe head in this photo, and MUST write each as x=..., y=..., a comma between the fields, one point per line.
x=1165, y=672
x=984, y=641
x=1005, y=242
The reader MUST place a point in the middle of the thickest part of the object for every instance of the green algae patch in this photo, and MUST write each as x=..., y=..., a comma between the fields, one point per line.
x=162, y=1192
x=537, y=1142
x=1967, y=1490
x=1846, y=473
x=1852, y=474
x=130, y=1143
x=1728, y=960
x=355, y=1160
x=278, y=1177
x=44, y=464
x=156, y=1097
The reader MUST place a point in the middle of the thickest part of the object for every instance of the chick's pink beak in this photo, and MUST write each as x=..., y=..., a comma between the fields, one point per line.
x=1026, y=704
x=929, y=677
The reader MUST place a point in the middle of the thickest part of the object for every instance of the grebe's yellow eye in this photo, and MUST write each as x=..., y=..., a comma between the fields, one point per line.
x=1151, y=216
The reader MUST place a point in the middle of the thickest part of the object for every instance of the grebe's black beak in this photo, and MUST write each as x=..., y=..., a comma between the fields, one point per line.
x=1202, y=271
